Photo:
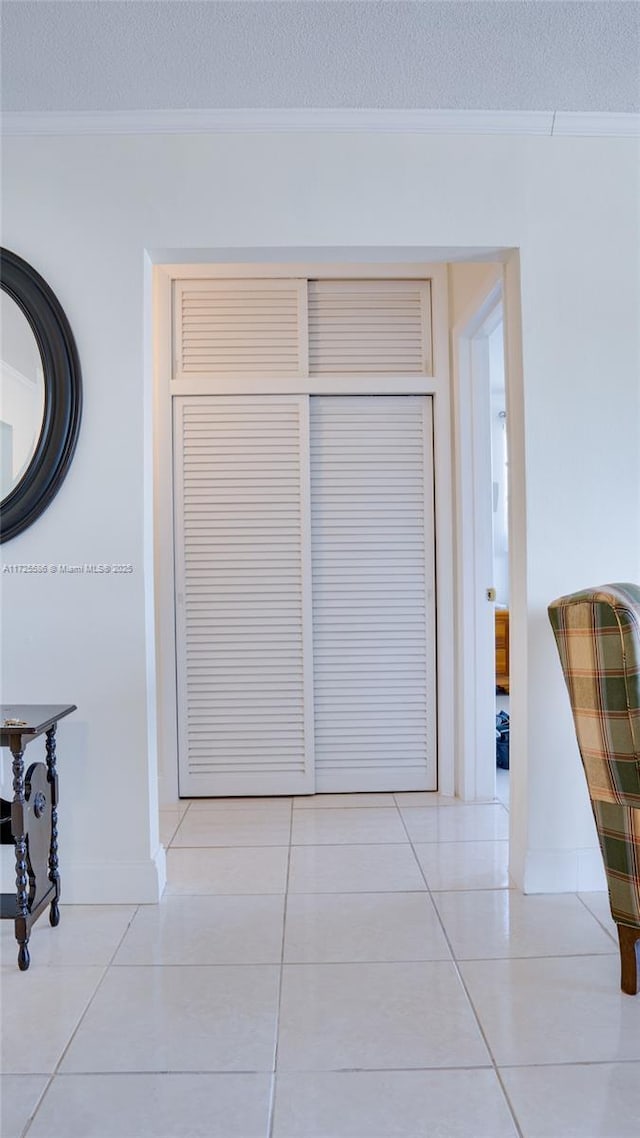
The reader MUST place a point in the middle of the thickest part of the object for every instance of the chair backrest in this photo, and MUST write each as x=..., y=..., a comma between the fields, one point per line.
x=597, y=632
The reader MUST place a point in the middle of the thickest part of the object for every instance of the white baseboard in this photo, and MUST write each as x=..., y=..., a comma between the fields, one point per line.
x=115, y=883
x=563, y=871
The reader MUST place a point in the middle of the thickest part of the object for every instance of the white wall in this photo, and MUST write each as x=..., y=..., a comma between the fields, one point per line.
x=83, y=211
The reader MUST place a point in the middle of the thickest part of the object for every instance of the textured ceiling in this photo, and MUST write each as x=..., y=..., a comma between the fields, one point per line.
x=109, y=55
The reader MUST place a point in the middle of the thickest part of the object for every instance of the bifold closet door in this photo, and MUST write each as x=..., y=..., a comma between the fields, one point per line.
x=243, y=611
x=373, y=593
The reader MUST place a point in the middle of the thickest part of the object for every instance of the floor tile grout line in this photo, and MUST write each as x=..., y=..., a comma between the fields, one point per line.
x=596, y=918
x=81, y=1018
x=272, y=1096
x=305, y=845
x=570, y=1063
x=454, y=961
x=180, y=821
x=175, y=831
x=206, y=1071
x=135, y=1073
x=27, y=1126
x=362, y=960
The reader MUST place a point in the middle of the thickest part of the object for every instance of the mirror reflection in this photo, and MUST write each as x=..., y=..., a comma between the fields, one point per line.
x=21, y=394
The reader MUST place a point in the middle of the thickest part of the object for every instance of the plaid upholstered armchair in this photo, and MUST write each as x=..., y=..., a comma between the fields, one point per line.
x=597, y=632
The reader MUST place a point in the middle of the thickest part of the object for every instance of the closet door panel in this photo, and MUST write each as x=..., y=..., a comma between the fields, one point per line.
x=373, y=593
x=243, y=613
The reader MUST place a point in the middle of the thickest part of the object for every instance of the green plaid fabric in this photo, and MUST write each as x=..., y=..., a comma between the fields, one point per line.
x=597, y=632
x=619, y=836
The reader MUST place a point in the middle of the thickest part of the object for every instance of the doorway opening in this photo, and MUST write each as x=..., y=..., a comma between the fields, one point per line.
x=482, y=493
x=461, y=312
x=500, y=533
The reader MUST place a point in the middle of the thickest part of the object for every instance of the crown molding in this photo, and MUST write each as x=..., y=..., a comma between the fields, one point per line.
x=582, y=124
x=332, y=120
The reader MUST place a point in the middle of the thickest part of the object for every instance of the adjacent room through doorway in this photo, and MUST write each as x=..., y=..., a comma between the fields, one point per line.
x=500, y=516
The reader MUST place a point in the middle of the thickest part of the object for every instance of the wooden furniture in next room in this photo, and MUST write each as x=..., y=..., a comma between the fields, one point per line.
x=502, y=649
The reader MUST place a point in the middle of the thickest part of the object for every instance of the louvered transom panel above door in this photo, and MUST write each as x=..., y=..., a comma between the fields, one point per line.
x=245, y=693
x=373, y=593
x=369, y=327
x=239, y=328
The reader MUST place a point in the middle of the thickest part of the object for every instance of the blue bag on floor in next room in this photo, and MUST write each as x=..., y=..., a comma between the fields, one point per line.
x=502, y=740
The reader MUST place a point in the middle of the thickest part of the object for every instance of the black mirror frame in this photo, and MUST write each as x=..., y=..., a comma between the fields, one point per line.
x=62, y=396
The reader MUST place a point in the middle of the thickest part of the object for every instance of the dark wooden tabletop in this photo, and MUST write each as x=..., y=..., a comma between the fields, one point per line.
x=30, y=718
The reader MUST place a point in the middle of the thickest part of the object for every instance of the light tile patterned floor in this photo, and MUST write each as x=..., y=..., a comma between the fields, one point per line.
x=342, y=967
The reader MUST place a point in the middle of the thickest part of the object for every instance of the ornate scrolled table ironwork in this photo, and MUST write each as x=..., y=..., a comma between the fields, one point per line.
x=30, y=821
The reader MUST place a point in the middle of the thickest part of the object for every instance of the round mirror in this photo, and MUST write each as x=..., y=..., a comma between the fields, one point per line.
x=40, y=395
x=21, y=394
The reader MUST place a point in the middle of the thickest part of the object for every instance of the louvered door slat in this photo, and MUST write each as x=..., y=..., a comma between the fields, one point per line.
x=245, y=685
x=373, y=609
x=239, y=328
x=374, y=327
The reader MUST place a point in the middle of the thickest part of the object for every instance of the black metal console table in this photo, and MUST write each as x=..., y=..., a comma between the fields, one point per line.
x=30, y=821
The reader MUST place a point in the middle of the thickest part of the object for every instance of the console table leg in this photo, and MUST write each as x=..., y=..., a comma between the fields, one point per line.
x=52, y=777
x=20, y=838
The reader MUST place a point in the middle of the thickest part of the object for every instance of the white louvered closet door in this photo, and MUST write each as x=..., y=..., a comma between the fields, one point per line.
x=243, y=615
x=373, y=593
